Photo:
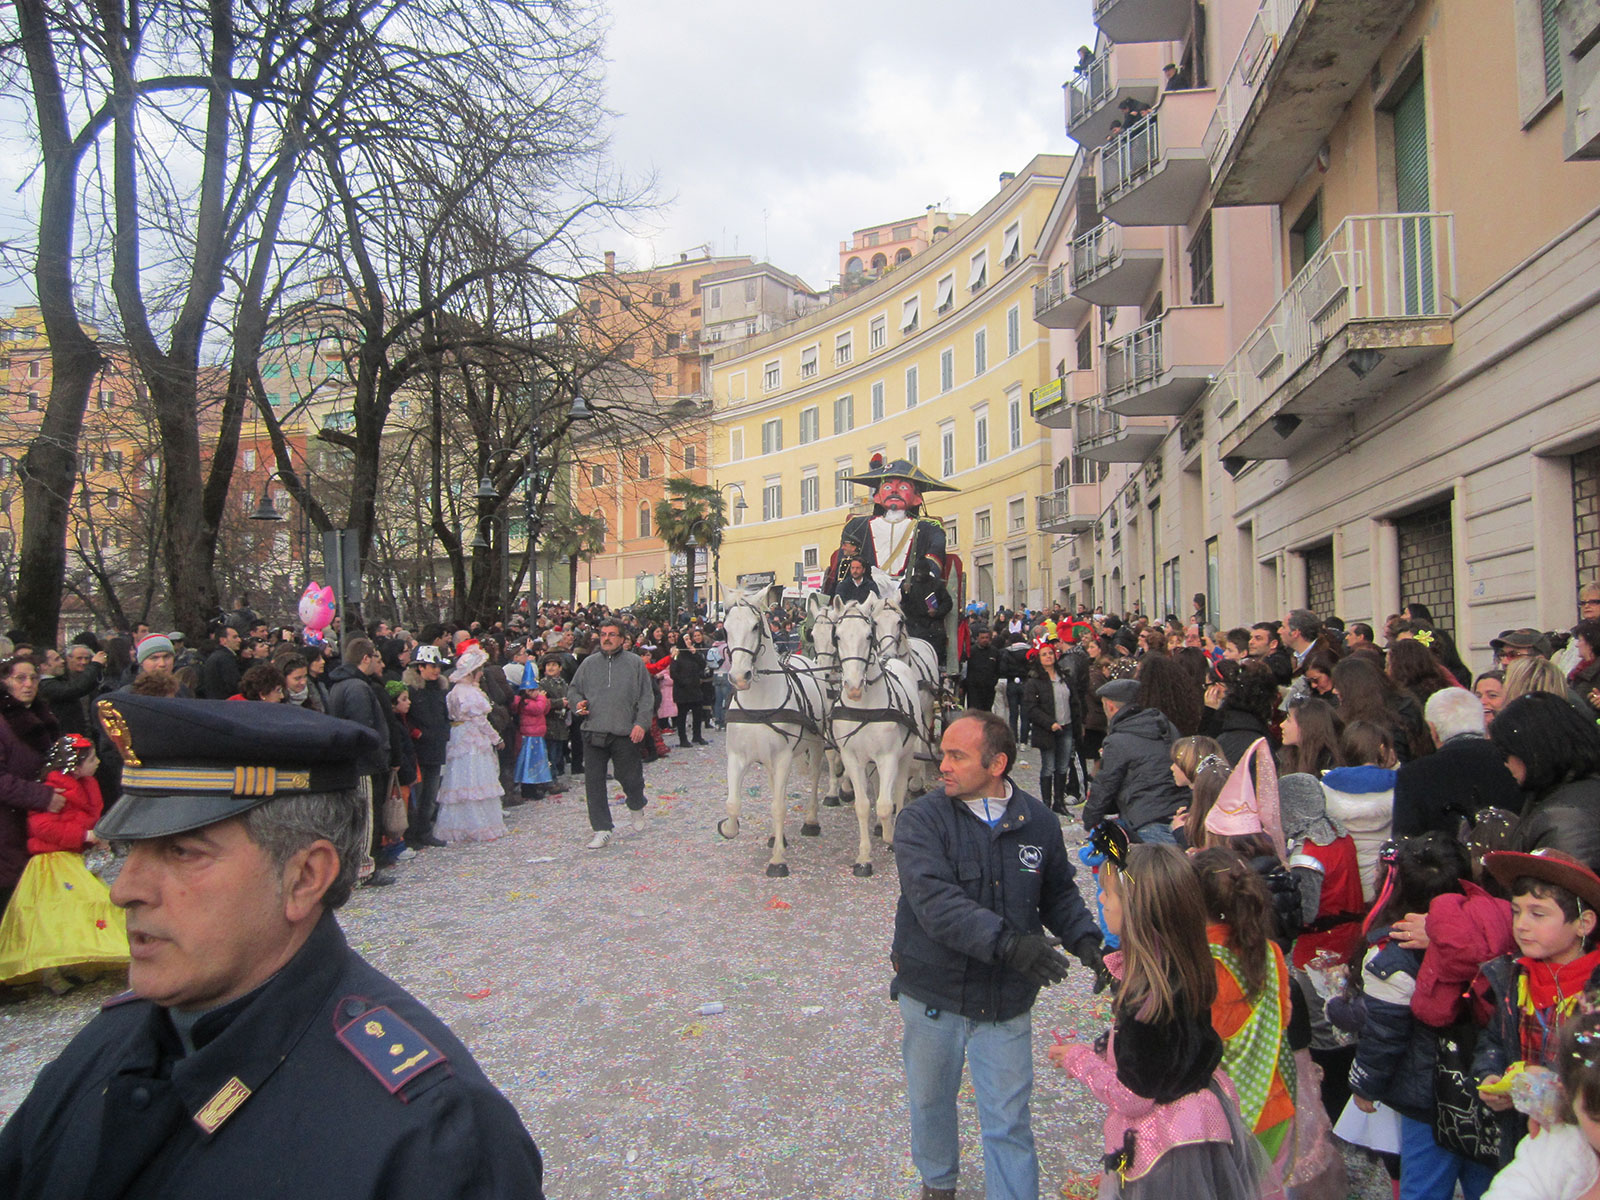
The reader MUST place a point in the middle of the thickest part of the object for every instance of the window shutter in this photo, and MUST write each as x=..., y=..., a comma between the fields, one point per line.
x=1552, y=46
x=1412, y=195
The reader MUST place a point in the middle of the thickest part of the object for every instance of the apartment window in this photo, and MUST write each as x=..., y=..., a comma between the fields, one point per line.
x=594, y=308
x=910, y=313
x=714, y=297
x=947, y=449
x=982, y=526
x=597, y=476
x=674, y=340
x=772, y=436
x=674, y=290
x=878, y=333
x=33, y=369
x=810, y=492
x=1016, y=515
x=1014, y=411
x=644, y=520
x=1012, y=254
x=33, y=401
x=842, y=487
x=735, y=445
x=843, y=348
x=844, y=415
x=946, y=294
x=249, y=460
x=947, y=370
x=980, y=434
x=644, y=466
x=113, y=498
x=1085, y=347
x=1201, y=288
x=1013, y=330
x=689, y=458
x=105, y=399
x=911, y=387
x=810, y=425
x=772, y=500
x=914, y=449
x=772, y=376
x=1087, y=471
x=980, y=352
x=1305, y=239
x=978, y=272
x=877, y=401
x=808, y=362
x=952, y=533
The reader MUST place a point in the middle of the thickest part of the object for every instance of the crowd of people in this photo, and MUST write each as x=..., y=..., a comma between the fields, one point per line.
x=1346, y=890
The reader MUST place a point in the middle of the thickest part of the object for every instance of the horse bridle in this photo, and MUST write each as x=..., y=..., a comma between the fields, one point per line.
x=866, y=660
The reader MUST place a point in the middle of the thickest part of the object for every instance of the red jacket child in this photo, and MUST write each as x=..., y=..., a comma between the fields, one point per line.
x=531, y=708
x=69, y=828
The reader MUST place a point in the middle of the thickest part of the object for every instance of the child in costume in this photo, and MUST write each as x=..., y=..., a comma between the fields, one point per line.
x=469, y=788
x=1563, y=1162
x=61, y=922
x=1172, y=1124
x=531, y=707
x=1531, y=996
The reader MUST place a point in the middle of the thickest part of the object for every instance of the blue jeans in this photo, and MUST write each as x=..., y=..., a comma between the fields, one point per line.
x=1056, y=759
x=724, y=693
x=1020, y=726
x=1429, y=1172
x=1157, y=833
x=999, y=1054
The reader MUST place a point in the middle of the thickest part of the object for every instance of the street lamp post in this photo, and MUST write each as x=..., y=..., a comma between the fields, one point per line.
x=268, y=511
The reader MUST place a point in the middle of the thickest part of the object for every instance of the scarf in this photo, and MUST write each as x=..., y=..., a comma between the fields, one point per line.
x=1577, y=672
x=1543, y=985
x=34, y=724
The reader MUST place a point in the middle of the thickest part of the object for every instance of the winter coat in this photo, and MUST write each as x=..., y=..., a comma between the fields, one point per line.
x=531, y=709
x=68, y=695
x=1135, y=779
x=557, y=726
x=1567, y=817
x=1094, y=713
x=983, y=668
x=1394, y=1059
x=618, y=690
x=1559, y=1164
x=353, y=697
x=1014, y=663
x=430, y=715
x=1236, y=731
x=1454, y=784
x=962, y=885
x=219, y=676
x=1039, y=702
x=1362, y=800
x=1465, y=930
x=500, y=693
x=69, y=828
x=26, y=734
x=688, y=669
x=1499, y=1038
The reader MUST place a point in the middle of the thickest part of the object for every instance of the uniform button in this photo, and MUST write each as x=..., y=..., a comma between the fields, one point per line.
x=354, y=1008
x=139, y=1097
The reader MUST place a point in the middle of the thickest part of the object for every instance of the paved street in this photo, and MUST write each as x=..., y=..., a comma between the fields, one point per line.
x=575, y=978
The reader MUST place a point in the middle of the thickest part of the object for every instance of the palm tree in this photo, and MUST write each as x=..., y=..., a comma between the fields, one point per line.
x=698, y=514
x=576, y=537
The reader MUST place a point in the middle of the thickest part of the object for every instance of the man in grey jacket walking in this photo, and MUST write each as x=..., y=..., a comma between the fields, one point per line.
x=612, y=692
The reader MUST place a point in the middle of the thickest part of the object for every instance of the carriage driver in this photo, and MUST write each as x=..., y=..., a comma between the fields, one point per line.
x=897, y=541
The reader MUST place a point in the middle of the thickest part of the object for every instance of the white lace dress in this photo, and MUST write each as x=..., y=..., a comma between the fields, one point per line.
x=469, y=788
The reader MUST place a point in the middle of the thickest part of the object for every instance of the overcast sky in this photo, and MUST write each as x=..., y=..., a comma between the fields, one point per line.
x=776, y=129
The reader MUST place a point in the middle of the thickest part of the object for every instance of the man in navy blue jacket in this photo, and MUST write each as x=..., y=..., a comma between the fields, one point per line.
x=983, y=873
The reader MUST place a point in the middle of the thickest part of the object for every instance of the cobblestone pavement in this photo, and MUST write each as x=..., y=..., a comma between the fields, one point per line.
x=576, y=978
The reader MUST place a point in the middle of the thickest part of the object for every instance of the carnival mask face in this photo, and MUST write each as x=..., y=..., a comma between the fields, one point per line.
x=898, y=495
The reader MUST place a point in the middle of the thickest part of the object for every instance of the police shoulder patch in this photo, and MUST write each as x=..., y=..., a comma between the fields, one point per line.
x=387, y=1046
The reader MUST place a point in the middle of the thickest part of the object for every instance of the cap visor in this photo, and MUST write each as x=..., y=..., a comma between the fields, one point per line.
x=137, y=817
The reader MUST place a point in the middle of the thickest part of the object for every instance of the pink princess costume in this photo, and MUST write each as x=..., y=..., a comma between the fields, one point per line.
x=469, y=788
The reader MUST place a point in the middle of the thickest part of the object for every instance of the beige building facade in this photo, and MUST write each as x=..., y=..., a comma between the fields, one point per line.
x=1411, y=411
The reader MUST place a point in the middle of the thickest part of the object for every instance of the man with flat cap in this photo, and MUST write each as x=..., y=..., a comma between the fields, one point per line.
x=256, y=1054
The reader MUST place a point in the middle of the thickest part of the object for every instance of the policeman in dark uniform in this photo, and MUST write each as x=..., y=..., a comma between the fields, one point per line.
x=257, y=1054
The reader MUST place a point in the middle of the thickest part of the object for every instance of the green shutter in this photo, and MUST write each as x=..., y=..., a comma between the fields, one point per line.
x=1311, y=235
x=1552, y=46
x=1412, y=196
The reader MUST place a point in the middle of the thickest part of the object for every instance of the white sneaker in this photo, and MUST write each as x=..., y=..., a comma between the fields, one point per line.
x=405, y=855
x=639, y=821
x=600, y=840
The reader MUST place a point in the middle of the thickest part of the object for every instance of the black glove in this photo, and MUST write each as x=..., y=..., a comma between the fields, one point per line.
x=1087, y=952
x=1034, y=956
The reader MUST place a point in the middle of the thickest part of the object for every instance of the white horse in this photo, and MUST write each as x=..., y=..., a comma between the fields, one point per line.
x=876, y=722
x=774, y=717
x=889, y=631
x=820, y=610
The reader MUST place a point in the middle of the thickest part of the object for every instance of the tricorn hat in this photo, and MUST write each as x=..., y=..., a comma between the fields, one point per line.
x=191, y=763
x=900, y=468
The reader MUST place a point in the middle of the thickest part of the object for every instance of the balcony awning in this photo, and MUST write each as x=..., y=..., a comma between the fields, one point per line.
x=947, y=292
x=910, y=310
x=1013, y=243
x=980, y=271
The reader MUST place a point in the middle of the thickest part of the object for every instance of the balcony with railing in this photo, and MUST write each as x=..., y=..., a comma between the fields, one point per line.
x=1095, y=92
x=1144, y=20
x=1052, y=403
x=1071, y=509
x=1054, y=305
x=1155, y=172
x=1102, y=436
x=1301, y=63
x=1161, y=368
x=1114, y=266
x=1375, y=301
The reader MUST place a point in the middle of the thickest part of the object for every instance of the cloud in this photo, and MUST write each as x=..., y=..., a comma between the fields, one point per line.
x=777, y=130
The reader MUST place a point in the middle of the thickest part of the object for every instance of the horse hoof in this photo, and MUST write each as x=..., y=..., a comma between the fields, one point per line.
x=777, y=870
x=723, y=833
x=861, y=870
x=811, y=831
x=831, y=802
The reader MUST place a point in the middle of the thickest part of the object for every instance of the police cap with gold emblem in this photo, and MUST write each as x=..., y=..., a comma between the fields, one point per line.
x=191, y=763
